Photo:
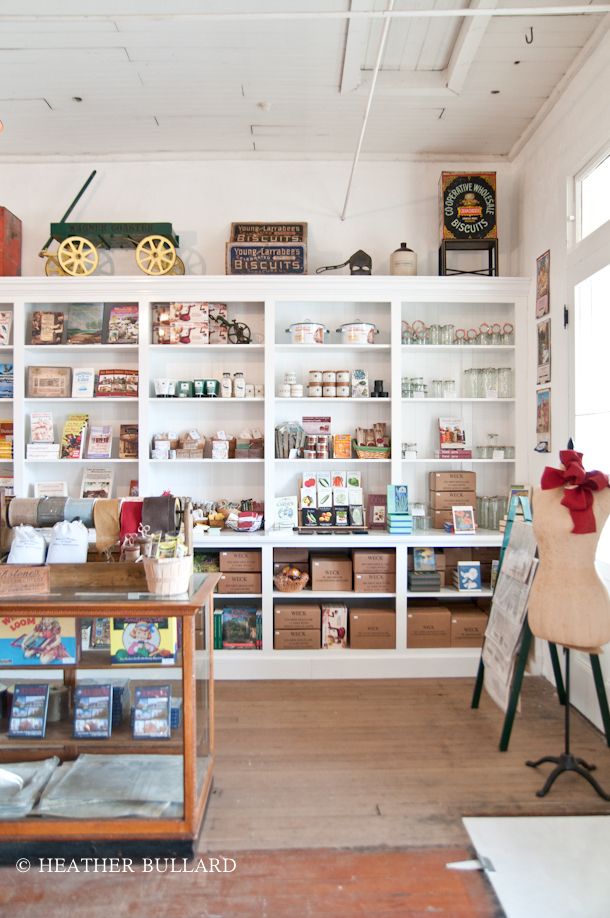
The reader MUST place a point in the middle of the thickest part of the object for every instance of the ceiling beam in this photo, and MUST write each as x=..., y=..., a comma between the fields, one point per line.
x=355, y=48
x=317, y=15
x=466, y=46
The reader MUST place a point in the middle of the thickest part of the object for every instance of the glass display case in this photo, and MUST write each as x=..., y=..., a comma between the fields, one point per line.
x=107, y=736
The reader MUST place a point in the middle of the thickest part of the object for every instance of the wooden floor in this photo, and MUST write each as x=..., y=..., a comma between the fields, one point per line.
x=394, y=763
x=343, y=799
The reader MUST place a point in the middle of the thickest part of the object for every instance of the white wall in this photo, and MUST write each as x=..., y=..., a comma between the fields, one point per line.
x=391, y=203
x=575, y=130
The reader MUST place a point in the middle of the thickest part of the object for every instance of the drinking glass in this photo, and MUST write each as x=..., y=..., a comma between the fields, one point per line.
x=505, y=382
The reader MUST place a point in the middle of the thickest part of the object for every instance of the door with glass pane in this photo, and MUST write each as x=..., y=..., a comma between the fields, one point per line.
x=591, y=425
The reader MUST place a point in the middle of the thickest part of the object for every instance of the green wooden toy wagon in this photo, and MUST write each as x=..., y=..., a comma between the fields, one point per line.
x=77, y=255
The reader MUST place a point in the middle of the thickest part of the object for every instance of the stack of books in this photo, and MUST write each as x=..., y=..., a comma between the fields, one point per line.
x=399, y=520
x=424, y=581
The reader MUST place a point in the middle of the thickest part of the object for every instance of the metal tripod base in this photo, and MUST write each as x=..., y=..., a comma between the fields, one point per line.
x=567, y=762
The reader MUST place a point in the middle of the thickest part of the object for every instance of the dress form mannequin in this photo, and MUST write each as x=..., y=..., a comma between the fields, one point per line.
x=568, y=604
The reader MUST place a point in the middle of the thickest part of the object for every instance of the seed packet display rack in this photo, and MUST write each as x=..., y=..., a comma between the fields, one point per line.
x=268, y=306
x=193, y=740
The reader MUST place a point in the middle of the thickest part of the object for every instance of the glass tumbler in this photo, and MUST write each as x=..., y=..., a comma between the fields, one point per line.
x=505, y=382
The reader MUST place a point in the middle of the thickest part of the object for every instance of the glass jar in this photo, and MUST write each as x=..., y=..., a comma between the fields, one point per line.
x=496, y=334
x=460, y=336
x=226, y=386
x=468, y=384
x=436, y=388
x=433, y=334
x=505, y=382
x=239, y=385
x=472, y=336
x=406, y=333
x=449, y=388
x=508, y=333
x=447, y=334
x=491, y=383
x=405, y=387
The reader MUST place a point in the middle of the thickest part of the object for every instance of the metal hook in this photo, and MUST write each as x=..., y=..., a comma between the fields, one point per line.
x=529, y=41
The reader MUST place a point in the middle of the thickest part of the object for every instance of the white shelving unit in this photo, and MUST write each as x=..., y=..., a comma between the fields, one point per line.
x=269, y=306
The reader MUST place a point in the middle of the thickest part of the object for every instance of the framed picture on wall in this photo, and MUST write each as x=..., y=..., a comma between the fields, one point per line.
x=544, y=351
x=543, y=295
x=543, y=421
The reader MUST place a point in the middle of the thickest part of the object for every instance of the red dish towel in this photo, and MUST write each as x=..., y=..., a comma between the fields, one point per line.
x=578, y=488
x=131, y=517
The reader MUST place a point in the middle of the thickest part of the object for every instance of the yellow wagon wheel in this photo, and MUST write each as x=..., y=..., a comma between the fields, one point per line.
x=155, y=255
x=178, y=266
x=52, y=267
x=77, y=256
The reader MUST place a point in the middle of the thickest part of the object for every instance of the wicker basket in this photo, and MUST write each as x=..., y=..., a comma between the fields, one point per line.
x=287, y=585
x=371, y=452
x=168, y=576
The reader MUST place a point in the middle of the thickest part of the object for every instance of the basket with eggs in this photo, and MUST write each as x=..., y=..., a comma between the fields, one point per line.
x=291, y=580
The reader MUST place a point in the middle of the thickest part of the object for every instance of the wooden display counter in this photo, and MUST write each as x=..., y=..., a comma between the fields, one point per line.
x=111, y=592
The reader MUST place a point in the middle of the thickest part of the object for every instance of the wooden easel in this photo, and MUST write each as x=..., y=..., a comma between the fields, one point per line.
x=524, y=649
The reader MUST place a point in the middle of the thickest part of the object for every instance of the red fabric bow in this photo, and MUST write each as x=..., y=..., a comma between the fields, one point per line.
x=578, y=488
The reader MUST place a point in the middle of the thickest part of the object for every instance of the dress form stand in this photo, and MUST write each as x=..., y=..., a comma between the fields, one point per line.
x=566, y=761
x=569, y=605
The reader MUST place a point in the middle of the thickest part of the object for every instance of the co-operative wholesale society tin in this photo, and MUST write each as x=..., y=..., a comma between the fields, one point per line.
x=358, y=332
x=307, y=332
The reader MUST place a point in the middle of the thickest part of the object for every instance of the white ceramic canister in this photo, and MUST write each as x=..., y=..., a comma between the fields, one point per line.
x=358, y=332
x=258, y=391
x=315, y=377
x=343, y=391
x=314, y=391
x=344, y=377
x=290, y=379
x=283, y=390
x=307, y=332
x=329, y=391
x=403, y=261
x=296, y=391
x=329, y=378
x=249, y=390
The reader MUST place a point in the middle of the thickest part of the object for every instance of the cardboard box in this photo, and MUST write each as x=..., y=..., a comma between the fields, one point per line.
x=453, y=555
x=10, y=244
x=240, y=560
x=428, y=626
x=445, y=500
x=468, y=628
x=237, y=582
x=334, y=626
x=379, y=582
x=291, y=555
x=371, y=562
x=440, y=517
x=304, y=615
x=452, y=481
x=372, y=629
x=486, y=555
x=331, y=572
x=297, y=639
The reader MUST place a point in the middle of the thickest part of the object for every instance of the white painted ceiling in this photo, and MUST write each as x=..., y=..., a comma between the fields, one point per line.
x=158, y=78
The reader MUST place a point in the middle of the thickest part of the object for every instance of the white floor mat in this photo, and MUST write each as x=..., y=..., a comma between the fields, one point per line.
x=547, y=867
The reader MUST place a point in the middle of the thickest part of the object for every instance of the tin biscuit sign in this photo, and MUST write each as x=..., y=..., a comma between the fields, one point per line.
x=468, y=206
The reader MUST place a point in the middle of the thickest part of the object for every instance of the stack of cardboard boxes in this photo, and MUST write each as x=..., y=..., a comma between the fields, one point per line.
x=240, y=571
x=450, y=489
x=452, y=625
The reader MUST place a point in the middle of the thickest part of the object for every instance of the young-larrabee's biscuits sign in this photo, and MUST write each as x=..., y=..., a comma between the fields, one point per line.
x=468, y=206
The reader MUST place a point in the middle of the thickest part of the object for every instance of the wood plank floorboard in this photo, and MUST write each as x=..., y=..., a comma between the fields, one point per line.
x=278, y=884
x=359, y=764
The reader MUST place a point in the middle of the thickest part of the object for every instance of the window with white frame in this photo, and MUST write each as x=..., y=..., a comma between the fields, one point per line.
x=593, y=195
